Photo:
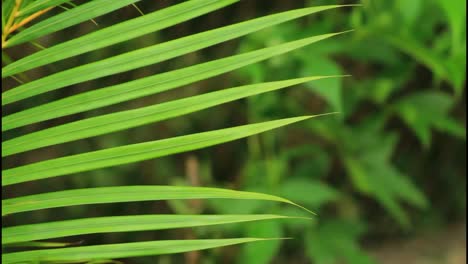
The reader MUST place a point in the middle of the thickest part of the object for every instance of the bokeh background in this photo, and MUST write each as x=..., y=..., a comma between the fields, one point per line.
x=386, y=175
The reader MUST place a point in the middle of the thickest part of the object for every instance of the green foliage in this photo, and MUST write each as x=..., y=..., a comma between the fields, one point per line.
x=124, y=194
x=114, y=34
x=89, y=253
x=388, y=163
x=66, y=19
x=110, y=224
x=392, y=42
x=127, y=119
x=419, y=113
x=336, y=236
x=17, y=16
x=142, y=57
x=135, y=152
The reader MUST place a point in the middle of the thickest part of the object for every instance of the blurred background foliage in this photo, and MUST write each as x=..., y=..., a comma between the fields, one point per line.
x=391, y=165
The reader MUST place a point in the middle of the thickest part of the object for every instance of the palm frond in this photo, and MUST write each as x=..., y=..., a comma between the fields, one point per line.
x=131, y=118
x=21, y=15
x=143, y=57
x=110, y=224
x=63, y=20
x=136, y=152
x=87, y=253
x=126, y=194
x=149, y=85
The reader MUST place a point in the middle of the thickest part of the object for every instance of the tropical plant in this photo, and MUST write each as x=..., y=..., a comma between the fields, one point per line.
x=17, y=17
x=375, y=167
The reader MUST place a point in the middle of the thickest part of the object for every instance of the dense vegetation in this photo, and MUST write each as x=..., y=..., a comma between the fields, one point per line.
x=390, y=163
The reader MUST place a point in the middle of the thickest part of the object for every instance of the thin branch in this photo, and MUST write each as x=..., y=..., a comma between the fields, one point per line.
x=17, y=79
x=138, y=9
x=37, y=45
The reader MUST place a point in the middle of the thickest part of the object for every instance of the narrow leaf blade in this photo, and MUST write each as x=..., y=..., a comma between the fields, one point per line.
x=149, y=85
x=127, y=119
x=69, y=18
x=136, y=152
x=146, y=56
x=115, y=34
x=25, y=233
x=39, y=5
x=124, y=250
x=121, y=194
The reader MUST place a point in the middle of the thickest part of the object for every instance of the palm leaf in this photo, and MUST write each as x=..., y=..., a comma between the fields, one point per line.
x=39, y=5
x=17, y=15
x=135, y=152
x=68, y=18
x=40, y=244
x=83, y=254
x=114, y=34
x=149, y=85
x=127, y=119
x=142, y=57
x=25, y=233
x=7, y=6
x=126, y=194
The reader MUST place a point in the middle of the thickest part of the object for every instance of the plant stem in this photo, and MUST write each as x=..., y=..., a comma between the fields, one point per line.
x=28, y=19
x=6, y=29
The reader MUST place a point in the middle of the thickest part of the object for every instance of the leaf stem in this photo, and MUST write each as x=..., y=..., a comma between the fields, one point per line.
x=28, y=19
x=11, y=19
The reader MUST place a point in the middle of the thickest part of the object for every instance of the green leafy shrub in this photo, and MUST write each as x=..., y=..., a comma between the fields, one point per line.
x=407, y=61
